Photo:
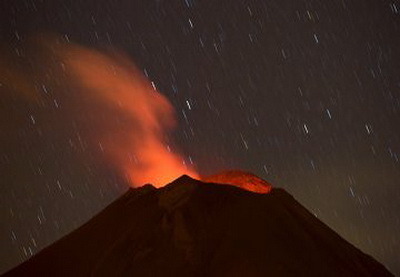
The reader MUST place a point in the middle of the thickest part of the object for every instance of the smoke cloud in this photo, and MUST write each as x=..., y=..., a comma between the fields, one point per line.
x=120, y=115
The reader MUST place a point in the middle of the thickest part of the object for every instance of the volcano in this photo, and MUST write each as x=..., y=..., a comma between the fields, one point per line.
x=215, y=227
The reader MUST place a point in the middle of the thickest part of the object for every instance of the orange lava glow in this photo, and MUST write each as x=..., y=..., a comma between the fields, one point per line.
x=240, y=179
x=141, y=153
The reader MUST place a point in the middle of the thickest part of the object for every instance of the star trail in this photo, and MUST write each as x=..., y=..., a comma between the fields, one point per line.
x=305, y=94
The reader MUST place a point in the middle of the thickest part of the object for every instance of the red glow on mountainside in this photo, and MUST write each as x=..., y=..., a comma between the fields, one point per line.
x=241, y=179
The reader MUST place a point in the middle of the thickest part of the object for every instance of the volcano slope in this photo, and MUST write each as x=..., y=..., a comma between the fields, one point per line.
x=193, y=228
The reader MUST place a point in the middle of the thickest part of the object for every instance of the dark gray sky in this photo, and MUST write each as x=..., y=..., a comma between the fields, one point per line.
x=306, y=94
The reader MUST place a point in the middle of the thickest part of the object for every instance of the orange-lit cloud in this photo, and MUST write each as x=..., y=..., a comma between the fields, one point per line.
x=126, y=119
x=142, y=154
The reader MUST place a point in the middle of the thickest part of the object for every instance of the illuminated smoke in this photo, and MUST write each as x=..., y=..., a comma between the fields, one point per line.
x=125, y=119
x=141, y=152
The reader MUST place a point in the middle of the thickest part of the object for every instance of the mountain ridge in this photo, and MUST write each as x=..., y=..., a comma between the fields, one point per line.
x=193, y=228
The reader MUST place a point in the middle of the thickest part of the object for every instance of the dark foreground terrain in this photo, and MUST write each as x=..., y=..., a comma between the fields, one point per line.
x=193, y=228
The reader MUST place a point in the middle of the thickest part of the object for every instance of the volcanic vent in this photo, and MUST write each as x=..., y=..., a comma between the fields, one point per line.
x=241, y=179
x=195, y=228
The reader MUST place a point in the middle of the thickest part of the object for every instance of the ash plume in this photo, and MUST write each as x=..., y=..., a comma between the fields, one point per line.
x=108, y=107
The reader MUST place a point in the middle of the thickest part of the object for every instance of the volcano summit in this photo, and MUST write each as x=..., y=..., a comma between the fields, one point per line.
x=199, y=228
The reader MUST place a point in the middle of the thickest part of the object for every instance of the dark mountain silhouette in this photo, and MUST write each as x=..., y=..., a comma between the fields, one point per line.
x=194, y=228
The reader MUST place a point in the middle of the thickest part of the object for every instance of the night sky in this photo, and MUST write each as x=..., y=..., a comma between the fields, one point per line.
x=304, y=93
